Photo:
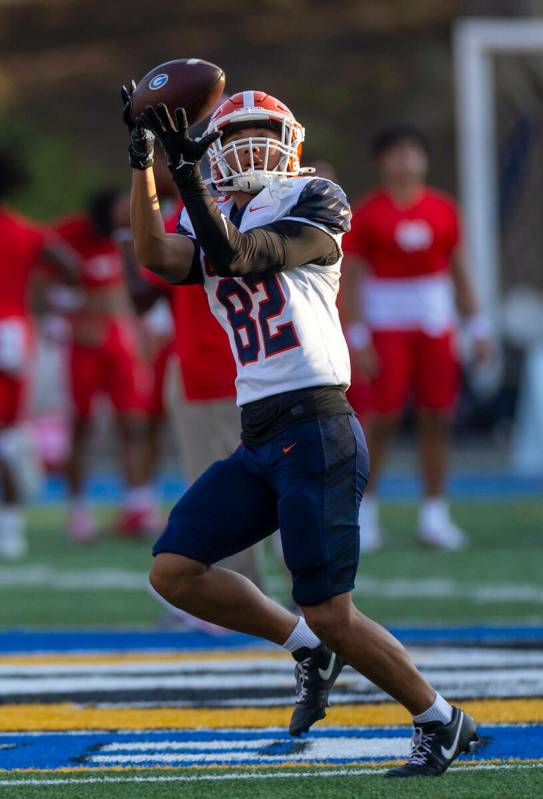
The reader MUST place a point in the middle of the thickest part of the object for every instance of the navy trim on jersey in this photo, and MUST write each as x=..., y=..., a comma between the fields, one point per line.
x=323, y=203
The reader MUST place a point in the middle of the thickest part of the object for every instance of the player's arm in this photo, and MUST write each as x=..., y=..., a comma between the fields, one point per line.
x=364, y=356
x=175, y=258
x=475, y=323
x=169, y=255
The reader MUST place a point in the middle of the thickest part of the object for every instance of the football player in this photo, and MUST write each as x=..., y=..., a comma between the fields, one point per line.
x=107, y=357
x=404, y=272
x=269, y=254
x=24, y=246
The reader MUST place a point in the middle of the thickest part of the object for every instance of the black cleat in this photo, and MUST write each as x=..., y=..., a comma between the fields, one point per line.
x=435, y=745
x=316, y=672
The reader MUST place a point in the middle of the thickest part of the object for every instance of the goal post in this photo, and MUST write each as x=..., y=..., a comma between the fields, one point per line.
x=477, y=43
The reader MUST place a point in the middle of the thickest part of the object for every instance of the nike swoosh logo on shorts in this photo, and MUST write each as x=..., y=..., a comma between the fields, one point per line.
x=257, y=208
x=326, y=674
x=448, y=753
x=286, y=450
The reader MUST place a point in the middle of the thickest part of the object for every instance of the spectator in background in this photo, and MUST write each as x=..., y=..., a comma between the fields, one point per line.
x=23, y=246
x=107, y=357
x=404, y=270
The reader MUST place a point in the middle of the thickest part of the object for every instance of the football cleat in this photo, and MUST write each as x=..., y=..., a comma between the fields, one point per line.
x=443, y=536
x=436, y=528
x=316, y=672
x=434, y=746
x=138, y=523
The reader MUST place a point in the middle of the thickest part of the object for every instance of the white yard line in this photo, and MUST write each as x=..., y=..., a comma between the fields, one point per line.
x=340, y=772
x=121, y=580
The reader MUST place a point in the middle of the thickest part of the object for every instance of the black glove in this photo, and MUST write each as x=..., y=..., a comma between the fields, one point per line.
x=142, y=140
x=182, y=152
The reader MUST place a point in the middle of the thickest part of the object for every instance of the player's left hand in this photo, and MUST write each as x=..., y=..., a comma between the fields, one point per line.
x=182, y=152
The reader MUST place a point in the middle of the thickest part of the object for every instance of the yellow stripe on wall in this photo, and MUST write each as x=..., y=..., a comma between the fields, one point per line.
x=67, y=716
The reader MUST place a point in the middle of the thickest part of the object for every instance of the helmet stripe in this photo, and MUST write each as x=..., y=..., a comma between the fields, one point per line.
x=248, y=99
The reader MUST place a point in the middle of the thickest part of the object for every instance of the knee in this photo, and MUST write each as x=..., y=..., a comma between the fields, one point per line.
x=172, y=576
x=331, y=622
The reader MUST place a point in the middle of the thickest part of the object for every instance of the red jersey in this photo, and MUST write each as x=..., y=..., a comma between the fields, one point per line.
x=403, y=242
x=21, y=244
x=201, y=344
x=101, y=260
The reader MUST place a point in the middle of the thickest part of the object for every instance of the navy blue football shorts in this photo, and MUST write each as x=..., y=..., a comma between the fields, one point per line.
x=307, y=481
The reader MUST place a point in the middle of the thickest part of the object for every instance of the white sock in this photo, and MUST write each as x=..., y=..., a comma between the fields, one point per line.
x=440, y=710
x=301, y=636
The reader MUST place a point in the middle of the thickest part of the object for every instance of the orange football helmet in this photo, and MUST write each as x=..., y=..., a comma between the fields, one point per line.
x=251, y=109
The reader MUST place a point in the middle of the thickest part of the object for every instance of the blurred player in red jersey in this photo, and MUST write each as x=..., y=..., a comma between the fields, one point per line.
x=404, y=272
x=107, y=357
x=24, y=245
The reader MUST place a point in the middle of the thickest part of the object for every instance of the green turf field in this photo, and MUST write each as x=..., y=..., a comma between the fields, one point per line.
x=498, y=579
x=504, y=783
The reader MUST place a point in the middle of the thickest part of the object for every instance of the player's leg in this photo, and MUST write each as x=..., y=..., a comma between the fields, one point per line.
x=386, y=399
x=320, y=489
x=436, y=386
x=12, y=527
x=85, y=380
x=441, y=731
x=161, y=371
x=14, y=354
x=129, y=385
x=227, y=509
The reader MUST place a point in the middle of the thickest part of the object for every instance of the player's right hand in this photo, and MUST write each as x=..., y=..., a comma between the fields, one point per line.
x=182, y=152
x=366, y=362
x=142, y=140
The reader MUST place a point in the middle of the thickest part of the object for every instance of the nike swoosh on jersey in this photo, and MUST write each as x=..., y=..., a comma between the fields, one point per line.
x=286, y=450
x=257, y=208
x=448, y=753
x=325, y=674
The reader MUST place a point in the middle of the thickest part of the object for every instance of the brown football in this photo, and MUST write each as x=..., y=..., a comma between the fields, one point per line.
x=188, y=83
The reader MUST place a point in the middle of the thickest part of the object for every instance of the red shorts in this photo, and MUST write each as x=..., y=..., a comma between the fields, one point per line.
x=159, y=368
x=412, y=363
x=116, y=368
x=15, y=357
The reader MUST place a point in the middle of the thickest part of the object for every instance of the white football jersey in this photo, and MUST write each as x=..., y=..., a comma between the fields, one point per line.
x=283, y=328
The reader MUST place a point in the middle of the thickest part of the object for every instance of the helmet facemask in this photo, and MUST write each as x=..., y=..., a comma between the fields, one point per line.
x=227, y=171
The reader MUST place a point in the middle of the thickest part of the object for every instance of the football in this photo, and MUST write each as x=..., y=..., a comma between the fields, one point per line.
x=188, y=83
